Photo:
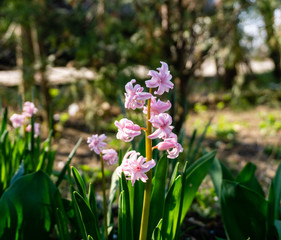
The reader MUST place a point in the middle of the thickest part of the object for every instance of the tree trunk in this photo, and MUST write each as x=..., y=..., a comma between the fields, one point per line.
x=229, y=77
x=26, y=64
x=275, y=56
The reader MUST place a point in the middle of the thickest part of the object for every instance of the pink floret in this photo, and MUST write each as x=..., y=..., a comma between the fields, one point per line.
x=17, y=120
x=36, y=129
x=135, y=166
x=162, y=122
x=157, y=107
x=96, y=143
x=29, y=109
x=110, y=156
x=127, y=130
x=134, y=96
x=160, y=79
x=172, y=146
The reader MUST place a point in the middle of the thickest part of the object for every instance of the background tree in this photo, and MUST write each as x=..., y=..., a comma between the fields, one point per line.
x=267, y=8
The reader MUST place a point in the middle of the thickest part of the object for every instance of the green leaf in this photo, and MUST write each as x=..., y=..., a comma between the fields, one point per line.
x=1, y=105
x=194, y=175
x=71, y=155
x=141, y=146
x=158, y=194
x=122, y=105
x=4, y=121
x=89, y=220
x=215, y=172
x=78, y=217
x=277, y=190
x=112, y=196
x=92, y=201
x=121, y=217
x=277, y=224
x=62, y=225
x=199, y=143
x=19, y=173
x=50, y=153
x=218, y=172
x=125, y=221
x=190, y=145
x=157, y=235
x=247, y=178
x=28, y=207
x=79, y=182
x=271, y=232
x=136, y=194
x=171, y=210
x=174, y=174
x=243, y=212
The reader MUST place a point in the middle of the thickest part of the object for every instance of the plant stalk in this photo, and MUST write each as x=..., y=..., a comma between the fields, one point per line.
x=148, y=184
x=104, y=198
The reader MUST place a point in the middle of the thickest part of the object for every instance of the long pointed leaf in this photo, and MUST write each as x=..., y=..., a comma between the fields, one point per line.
x=112, y=196
x=247, y=178
x=127, y=233
x=79, y=182
x=136, y=194
x=157, y=235
x=71, y=155
x=158, y=194
x=78, y=217
x=174, y=174
x=171, y=210
x=4, y=121
x=62, y=225
x=243, y=212
x=88, y=217
x=193, y=177
x=199, y=142
x=277, y=190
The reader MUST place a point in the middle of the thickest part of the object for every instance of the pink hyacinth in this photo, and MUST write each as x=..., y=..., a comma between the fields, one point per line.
x=157, y=107
x=96, y=143
x=17, y=120
x=135, y=166
x=135, y=97
x=29, y=109
x=172, y=146
x=162, y=122
x=127, y=130
x=36, y=129
x=160, y=79
x=110, y=156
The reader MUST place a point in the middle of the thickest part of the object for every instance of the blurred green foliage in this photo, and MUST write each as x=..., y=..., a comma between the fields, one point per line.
x=115, y=38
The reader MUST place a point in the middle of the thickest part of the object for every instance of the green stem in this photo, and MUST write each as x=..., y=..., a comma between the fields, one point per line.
x=104, y=198
x=148, y=185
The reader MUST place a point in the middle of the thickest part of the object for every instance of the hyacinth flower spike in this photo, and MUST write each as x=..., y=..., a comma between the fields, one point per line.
x=134, y=166
x=21, y=120
x=96, y=143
